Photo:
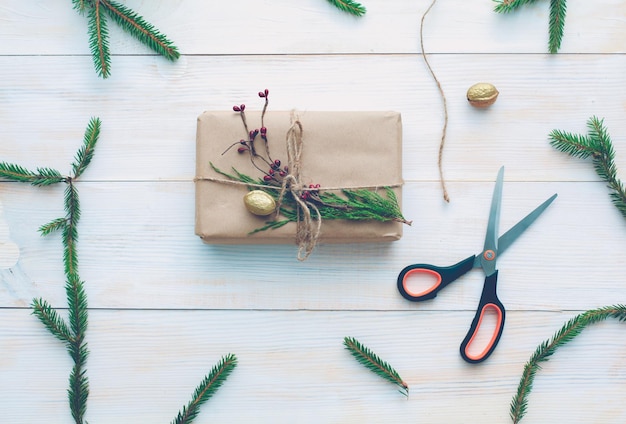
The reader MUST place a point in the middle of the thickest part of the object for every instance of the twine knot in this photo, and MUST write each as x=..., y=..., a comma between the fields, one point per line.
x=308, y=227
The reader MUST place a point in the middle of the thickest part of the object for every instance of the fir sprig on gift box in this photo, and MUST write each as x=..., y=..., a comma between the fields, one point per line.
x=596, y=144
x=131, y=22
x=358, y=204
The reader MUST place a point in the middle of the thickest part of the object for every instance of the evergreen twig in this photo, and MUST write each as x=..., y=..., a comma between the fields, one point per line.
x=72, y=334
x=571, y=329
x=349, y=6
x=206, y=389
x=372, y=362
x=557, y=18
x=129, y=21
x=597, y=144
x=358, y=205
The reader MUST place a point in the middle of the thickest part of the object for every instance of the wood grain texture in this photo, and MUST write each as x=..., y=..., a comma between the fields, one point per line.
x=293, y=368
x=164, y=307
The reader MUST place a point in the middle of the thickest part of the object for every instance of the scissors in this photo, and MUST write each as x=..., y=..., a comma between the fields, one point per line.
x=486, y=260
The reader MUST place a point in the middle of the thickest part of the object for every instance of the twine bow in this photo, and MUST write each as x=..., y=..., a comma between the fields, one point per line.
x=308, y=227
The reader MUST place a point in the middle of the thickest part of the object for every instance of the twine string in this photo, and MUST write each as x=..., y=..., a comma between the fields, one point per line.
x=308, y=227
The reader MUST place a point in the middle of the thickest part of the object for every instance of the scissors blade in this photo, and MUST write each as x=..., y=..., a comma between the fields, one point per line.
x=510, y=236
x=490, y=248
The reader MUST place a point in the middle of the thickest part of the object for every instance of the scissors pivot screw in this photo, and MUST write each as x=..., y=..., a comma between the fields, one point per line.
x=489, y=255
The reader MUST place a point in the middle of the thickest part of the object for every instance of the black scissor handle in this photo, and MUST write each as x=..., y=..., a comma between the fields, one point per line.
x=443, y=275
x=488, y=301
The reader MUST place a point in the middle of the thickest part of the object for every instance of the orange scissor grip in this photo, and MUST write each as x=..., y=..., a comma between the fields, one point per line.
x=426, y=291
x=488, y=300
x=478, y=357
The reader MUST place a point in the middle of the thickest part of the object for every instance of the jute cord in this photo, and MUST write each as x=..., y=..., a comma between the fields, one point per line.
x=445, y=106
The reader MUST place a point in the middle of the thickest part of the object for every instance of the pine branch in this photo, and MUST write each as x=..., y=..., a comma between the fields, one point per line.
x=519, y=404
x=55, y=225
x=372, y=362
x=85, y=153
x=207, y=388
x=72, y=334
x=557, y=23
x=505, y=6
x=129, y=21
x=597, y=144
x=70, y=232
x=77, y=305
x=145, y=32
x=51, y=319
x=349, y=6
x=42, y=177
x=99, y=41
x=557, y=18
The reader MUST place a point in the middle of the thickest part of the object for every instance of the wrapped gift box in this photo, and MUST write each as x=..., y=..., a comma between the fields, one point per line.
x=340, y=149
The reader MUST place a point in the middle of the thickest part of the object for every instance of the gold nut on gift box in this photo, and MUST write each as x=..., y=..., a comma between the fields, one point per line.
x=259, y=203
x=482, y=94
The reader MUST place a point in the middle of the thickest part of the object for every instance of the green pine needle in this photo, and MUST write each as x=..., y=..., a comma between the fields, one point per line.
x=42, y=177
x=519, y=404
x=85, y=153
x=77, y=305
x=145, y=32
x=99, y=41
x=556, y=23
x=80, y=5
x=349, y=6
x=597, y=144
x=207, y=388
x=372, y=362
x=129, y=21
x=51, y=319
x=505, y=6
x=54, y=225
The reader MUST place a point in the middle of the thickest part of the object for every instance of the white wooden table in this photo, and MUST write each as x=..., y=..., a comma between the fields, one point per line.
x=164, y=307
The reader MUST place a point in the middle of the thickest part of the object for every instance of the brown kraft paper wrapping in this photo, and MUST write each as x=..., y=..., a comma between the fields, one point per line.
x=341, y=149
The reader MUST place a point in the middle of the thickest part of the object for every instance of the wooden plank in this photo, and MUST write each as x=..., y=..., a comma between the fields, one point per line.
x=314, y=26
x=149, y=132
x=144, y=365
x=137, y=250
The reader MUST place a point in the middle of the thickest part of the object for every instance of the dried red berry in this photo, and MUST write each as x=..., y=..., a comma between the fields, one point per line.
x=242, y=107
x=277, y=162
x=261, y=94
x=236, y=108
x=242, y=149
x=271, y=171
x=267, y=177
x=266, y=92
x=282, y=173
x=263, y=130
